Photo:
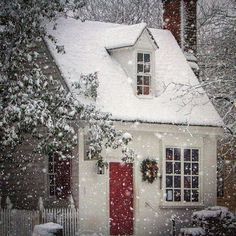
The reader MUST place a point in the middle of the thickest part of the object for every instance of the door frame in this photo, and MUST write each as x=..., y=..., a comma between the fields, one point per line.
x=108, y=196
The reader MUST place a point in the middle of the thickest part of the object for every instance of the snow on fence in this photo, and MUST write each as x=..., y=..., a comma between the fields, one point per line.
x=21, y=222
x=67, y=217
x=17, y=222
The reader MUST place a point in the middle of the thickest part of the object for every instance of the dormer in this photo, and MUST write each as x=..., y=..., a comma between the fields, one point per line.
x=133, y=47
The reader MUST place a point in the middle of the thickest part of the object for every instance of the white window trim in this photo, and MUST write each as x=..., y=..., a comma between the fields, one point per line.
x=152, y=64
x=181, y=204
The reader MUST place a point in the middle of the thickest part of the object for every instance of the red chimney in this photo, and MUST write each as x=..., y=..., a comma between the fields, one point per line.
x=172, y=18
x=180, y=17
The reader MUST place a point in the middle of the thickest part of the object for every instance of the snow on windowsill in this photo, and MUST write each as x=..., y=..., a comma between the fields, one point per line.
x=181, y=205
x=150, y=96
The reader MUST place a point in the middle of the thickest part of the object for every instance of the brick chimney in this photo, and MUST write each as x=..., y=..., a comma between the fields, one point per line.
x=180, y=17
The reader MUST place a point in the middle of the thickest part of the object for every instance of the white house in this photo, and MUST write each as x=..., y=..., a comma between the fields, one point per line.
x=147, y=85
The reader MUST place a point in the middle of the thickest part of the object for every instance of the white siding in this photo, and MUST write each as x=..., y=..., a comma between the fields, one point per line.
x=151, y=215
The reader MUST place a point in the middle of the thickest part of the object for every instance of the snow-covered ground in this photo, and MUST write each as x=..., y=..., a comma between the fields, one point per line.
x=47, y=229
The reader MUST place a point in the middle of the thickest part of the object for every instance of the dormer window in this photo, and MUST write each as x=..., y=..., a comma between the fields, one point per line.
x=143, y=73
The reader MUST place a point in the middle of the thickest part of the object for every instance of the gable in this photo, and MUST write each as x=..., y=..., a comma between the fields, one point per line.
x=123, y=36
x=145, y=42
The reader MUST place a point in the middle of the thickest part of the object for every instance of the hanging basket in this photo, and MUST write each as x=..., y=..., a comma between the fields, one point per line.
x=149, y=169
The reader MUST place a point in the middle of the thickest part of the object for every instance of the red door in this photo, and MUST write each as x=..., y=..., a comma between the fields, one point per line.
x=121, y=199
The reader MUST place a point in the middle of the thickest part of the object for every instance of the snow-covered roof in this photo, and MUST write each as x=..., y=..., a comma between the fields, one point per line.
x=120, y=36
x=86, y=45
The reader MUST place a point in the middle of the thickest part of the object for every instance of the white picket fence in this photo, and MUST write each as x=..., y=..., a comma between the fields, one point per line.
x=21, y=222
x=67, y=217
x=17, y=222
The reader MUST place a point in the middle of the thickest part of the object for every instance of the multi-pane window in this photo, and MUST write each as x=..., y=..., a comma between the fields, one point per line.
x=143, y=73
x=59, y=176
x=191, y=175
x=182, y=175
x=173, y=174
x=52, y=175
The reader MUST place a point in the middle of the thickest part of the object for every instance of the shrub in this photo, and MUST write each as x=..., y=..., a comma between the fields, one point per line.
x=215, y=221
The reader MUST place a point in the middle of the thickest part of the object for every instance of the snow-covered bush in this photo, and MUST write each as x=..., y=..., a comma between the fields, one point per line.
x=48, y=229
x=87, y=85
x=196, y=231
x=215, y=221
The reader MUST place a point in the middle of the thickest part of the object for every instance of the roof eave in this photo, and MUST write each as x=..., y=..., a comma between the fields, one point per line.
x=154, y=126
x=168, y=123
x=118, y=48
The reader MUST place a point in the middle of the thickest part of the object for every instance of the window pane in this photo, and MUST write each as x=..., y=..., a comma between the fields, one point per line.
x=187, y=182
x=186, y=154
x=139, y=90
x=195, y=182
x=52, y=190
x=195, y=155
x=51, y=179
x=187, y=168
x=169, y=154
x=187, y=196
x=140, y=57
x=50, y=167
x=169, y=168
x=146, y=90
x=146, y=80
x=169, y=195
x=169, y=181
x=50, y=158
x=147, y=68
x=195, y=196
x=195, y=169
x=139, y=80
x=177, y=168
x=146, y=57
x=140, y=68
x=177, y=181
x=177, y=195
x=177, y=154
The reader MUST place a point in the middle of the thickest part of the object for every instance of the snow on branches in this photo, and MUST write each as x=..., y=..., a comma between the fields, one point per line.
x=38, y=103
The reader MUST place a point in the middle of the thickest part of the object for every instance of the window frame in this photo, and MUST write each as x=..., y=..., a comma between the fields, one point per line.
x=61, y=189
x=53, y=173
x=182, y=202
x=150, y=74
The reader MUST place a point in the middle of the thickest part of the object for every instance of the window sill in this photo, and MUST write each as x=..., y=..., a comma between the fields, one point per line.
x=145, y=96
x=181, y=205
x=52, y=197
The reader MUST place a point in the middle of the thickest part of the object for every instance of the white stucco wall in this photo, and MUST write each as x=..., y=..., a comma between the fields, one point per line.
x=152, y=215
